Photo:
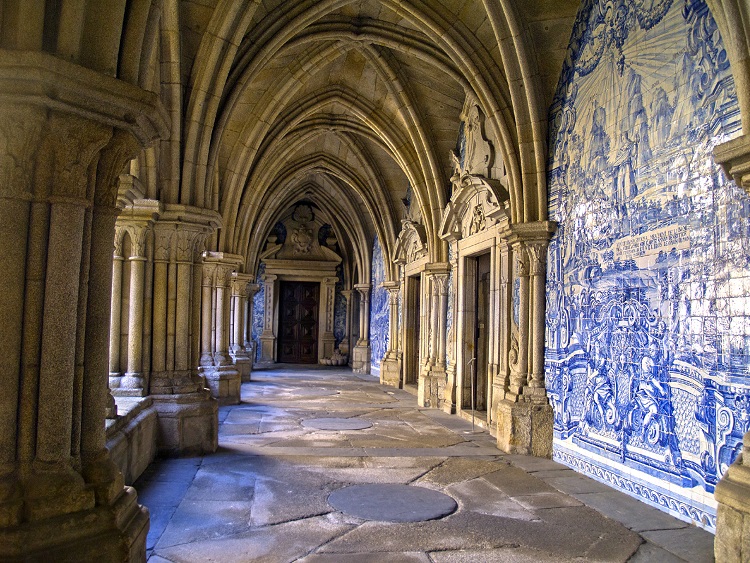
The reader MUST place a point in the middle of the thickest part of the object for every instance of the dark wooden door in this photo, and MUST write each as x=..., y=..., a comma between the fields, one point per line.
x=298, y=322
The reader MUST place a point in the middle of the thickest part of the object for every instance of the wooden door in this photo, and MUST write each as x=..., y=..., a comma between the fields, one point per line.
x=298, y=322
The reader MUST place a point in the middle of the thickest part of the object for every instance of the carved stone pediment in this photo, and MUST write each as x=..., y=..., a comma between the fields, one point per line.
x=477, y=204
x=411, y=244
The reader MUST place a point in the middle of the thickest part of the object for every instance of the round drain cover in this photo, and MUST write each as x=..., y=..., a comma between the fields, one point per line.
x=392, y=503
x=336, y=423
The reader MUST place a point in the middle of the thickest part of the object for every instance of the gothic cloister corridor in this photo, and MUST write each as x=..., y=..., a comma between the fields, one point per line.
x=263, y=496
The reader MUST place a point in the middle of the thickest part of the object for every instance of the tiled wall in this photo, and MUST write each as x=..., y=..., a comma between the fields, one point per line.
x=378, y=310
x=259, y=309
x=648, y=322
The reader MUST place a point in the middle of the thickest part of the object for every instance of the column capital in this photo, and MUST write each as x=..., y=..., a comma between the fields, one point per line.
x=393, y=286
x=240, y=284
x=534, y=231
x=252, y=289
x=440, y=283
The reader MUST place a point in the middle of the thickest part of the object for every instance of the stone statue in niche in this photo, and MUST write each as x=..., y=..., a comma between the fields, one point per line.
x=477, y=220
x=478, y=149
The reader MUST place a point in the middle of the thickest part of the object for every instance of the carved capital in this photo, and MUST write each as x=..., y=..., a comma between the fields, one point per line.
x=522, y=260
x=163, y=242
x=20, y=130
x=70, y=145
x=138, y=237
x=207, y=275
x=440, y=284
x=185, y=244
x=364, y=289
x=537, y=253
x=734, y=157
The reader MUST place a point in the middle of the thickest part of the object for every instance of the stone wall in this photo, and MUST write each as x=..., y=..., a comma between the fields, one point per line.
x=648, y=325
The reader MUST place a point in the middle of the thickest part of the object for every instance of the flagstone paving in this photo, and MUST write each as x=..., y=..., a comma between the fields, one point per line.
x=264, y=496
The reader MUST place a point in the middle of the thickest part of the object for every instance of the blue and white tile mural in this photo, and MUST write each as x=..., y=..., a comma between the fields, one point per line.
x=339, y=309
x=648, y=327
x=378, y=310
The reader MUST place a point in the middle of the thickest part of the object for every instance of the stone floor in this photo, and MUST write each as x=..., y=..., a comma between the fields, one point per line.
x=264, y=496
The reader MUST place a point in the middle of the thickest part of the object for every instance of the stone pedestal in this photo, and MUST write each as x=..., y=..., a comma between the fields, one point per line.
x=224, y=383
x=525, y=428
x=431, y=390
x=361, y=358
x=732, y=544
x=188, y=423
x=390, y=370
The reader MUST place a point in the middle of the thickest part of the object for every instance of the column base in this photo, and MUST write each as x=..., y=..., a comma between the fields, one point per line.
x=732, y=543
x=525, y=428
x=390, y=371
x=244, y=365
x=361, y=359
x=104, y=533
x=224, y=383
x=431, y=389
x=188, y=423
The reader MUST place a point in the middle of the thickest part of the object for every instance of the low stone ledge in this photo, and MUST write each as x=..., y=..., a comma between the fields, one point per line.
x=131, y=437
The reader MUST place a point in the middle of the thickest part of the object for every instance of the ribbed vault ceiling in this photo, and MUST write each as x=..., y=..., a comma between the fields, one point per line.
x=347, y=104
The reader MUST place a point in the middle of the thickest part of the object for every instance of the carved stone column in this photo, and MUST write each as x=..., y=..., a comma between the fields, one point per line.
x=60, y=496
x=252, y=290
x=242, y=361
x=431, y=386
x=504, y=308
x=327, y=341
x=390, y=366
x=361, y=352
x=268, y=336
x=216, y=366
x=132, y=381
x=187, y=414
x=524, y=416
x=345, y=345
x=449, y=393
x=116, y=306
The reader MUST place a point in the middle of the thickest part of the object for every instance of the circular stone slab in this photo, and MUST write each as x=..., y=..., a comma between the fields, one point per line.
x=392, y=503
x=336, y=423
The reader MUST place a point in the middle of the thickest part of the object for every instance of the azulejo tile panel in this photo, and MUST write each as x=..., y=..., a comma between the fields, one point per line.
x=379, y=309
x=648, y=289
x=259, y=309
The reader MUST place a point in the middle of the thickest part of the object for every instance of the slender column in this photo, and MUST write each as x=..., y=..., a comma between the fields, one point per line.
x=206, y=314
x=162, y=252
x=185, y=250
x=520, y=364
x=134, y=377
x=116, y=307
x=364, y=313
x=441, y=297
x=98, y=469
x=348, y=294
x=252, y=290
x=537, y=252
x=220, y=353
x=504, y=267
x=268, y=337
x=237, y=320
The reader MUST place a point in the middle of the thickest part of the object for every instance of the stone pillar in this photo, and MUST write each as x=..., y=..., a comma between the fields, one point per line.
x=237, y=350
x=524, y=416
x=431, y=387
x=327, y=341
x=390, y=366
x=132, y=382
x=252, y=290
x=449, y=394
x=216, y=365
x=60, y=496
x=187, y=414
x=504, y=307
x=361, y=352
x=345, y=345
x=116, y=306
x=268, y=336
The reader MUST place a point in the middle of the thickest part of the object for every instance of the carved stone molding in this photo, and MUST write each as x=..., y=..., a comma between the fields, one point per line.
x=411, y=244
x=477, y=204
